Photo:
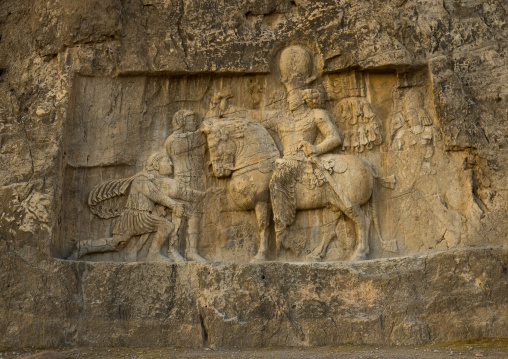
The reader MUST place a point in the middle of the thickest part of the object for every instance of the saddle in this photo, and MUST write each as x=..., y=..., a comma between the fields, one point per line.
x=326, y=168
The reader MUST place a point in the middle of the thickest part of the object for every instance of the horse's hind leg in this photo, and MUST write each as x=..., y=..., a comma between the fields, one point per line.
x=263, y=212
x=331, y=221
x=362, y=223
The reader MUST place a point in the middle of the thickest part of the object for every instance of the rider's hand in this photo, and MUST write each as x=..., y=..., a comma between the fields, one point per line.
x=179, y=210
x=307, y=148
x=161, y=210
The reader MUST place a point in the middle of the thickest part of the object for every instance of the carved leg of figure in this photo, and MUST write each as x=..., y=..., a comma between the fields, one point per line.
x=283, y=198
x=164, y=230
x=362, y=223
x=111, y=244
x=263, y=212
x=193, y=237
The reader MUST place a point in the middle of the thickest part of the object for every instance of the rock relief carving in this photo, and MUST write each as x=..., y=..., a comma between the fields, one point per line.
x=364, y=128
x=412, y=126
x=295, y=152
x=187, y=149
x=150, y=194
x=307, y=176
x=243, y=151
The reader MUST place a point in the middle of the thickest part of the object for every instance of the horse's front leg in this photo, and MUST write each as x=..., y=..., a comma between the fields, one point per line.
x=362, y=223
x=263, y=212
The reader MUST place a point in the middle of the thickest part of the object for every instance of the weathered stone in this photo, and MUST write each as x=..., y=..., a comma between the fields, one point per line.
x=335, y=131
x=46, y=355
x=409, y=300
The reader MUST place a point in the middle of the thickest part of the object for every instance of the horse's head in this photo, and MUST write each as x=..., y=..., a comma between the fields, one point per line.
x=222, y=148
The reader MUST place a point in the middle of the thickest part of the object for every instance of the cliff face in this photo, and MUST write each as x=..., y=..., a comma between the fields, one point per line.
x=87, y=92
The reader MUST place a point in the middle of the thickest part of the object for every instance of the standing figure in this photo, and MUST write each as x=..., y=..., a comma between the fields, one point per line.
x=143, y=213
x=186, y=146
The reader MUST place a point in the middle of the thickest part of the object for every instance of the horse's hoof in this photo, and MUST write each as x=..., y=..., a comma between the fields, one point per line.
x=194, y=256
x=358, y=257
x=313, y=258
x=259, y=258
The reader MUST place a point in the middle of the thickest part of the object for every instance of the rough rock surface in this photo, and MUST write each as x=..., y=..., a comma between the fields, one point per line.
x=485, y=348
x=414, y=300
x=47, y=48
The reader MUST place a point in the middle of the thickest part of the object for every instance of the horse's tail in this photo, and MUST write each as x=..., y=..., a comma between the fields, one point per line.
x=390, y=245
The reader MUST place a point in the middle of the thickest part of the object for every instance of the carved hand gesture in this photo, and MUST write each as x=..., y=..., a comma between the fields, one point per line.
x=179, y=210
x=161, y=210
x=307, y=148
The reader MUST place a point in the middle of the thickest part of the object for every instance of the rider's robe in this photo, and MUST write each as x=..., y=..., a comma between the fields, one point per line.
x=295, y=166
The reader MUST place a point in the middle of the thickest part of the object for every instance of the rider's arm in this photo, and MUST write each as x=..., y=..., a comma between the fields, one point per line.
x=330, y=132
x=186, y=142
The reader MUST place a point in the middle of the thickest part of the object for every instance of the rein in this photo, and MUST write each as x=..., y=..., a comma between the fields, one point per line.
x=245, y=167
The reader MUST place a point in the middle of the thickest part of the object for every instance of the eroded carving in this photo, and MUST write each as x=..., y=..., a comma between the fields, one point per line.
x=187, y=148
x=303, y=156
x=364, y=128
x=413, y=126
x=305, y=177
x=149, y=193
x=244, y=151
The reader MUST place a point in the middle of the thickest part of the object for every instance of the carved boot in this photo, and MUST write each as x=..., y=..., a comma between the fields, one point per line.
x=261, y=256
x=192, y=251
x=173, y=249
x=154, y=253
x=177, y=257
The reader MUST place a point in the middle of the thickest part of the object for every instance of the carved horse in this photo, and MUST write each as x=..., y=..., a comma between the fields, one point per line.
x=245, y=151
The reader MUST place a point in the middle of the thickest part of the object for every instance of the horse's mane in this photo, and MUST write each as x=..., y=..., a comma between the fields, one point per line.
x=252, y=143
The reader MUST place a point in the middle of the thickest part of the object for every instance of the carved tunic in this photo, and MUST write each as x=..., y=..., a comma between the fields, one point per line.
x=292, y=132
x=304, y=128
x=291, y=169
x=187, y=151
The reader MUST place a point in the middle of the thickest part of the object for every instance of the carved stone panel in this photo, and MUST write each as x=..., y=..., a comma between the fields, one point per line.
x=295, y=165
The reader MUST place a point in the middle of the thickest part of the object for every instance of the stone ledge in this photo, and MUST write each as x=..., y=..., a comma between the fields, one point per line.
x=413, y=300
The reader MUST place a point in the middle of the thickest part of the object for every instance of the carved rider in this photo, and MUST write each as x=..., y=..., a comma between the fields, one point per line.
x=187, y=148
x=298, y=130
x=143, y=212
